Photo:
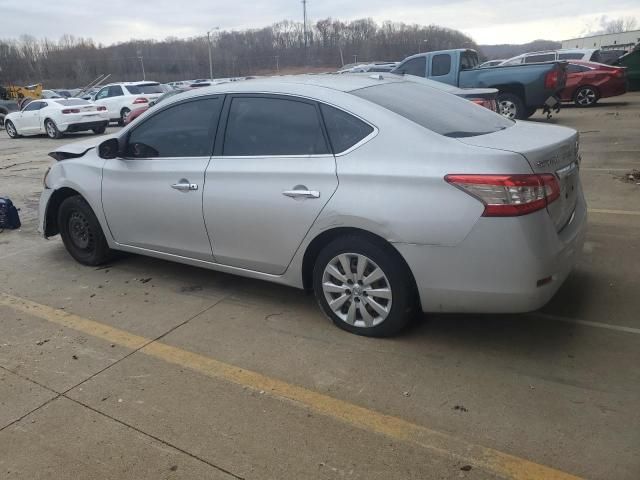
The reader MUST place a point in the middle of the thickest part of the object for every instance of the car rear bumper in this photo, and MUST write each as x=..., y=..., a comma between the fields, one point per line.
x=501, y=266
x=82, y=126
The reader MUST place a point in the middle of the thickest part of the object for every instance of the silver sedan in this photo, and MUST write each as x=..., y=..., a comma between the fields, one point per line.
x=382, y=195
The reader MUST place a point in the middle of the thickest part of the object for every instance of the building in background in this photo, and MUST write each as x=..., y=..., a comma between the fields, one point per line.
x=606, y=41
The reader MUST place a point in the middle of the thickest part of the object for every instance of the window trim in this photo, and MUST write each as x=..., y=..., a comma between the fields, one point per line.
x=123, y=139
x=224, y=118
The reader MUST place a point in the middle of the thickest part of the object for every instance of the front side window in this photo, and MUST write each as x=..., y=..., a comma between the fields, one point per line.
x=546, y=57
x=440, y=65
x=415, y=66
x=33, y=106
x=262, y=126
x=183, y=130
x=344, y=129
x=104, y=93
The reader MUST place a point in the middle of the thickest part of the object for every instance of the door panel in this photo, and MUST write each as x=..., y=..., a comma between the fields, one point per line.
x=251, y=222
x=152, y=198
x=144, y=210
x=267, y=184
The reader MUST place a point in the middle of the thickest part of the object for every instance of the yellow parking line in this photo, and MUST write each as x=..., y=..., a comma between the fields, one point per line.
x=613, y=212
x=494, y=461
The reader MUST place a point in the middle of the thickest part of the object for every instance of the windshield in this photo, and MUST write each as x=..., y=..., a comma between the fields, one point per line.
x=150, y=88
x=435, y=110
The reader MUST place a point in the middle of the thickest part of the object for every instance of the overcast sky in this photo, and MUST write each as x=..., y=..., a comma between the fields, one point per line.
x=486, y=21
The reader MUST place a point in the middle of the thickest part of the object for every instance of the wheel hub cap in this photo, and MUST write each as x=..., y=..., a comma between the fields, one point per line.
x=79, y=230
x=357, y=290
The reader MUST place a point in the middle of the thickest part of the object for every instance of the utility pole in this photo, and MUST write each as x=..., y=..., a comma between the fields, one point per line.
x=277, y=57
x=210, y=58
x=144, y=76
x=304, y=21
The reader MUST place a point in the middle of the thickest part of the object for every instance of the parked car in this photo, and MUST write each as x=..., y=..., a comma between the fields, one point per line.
x=6, y=107
x=522, y=89
x=369, y=67
x=55, y=117
x=336, y=184
x=588, y=82
x=491, y=63
x=121, y=98
x=50, y=94
x=64, y=93
x=632, y=63
x=585, y=54
x=139, y=111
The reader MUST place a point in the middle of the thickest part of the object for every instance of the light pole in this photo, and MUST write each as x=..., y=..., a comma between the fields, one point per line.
x=210, y=59
x=144, y=76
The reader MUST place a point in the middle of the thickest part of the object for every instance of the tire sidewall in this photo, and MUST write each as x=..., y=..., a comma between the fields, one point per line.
x=585, y=87
x=9, y=122
x=100, y=251
x=57, y=133
x=398, y=275
x=123, y=115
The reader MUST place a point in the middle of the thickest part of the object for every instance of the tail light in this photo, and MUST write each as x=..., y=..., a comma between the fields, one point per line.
x=141, y=100
x=509, y=195
x=618, y=73
x=102, y=109
x=70, y=110
x=486, y=103
x=552, y=79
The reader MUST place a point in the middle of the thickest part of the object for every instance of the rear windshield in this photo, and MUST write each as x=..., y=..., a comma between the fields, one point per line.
x=440, y=112
x=74, y=101
x=138, y=89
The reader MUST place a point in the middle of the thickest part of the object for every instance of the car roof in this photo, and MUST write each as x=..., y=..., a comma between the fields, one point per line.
x=148, y=82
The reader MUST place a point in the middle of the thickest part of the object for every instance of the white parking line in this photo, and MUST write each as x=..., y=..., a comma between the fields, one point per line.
x=607, y=326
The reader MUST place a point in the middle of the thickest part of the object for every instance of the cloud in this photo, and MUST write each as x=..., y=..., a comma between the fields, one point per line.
x=488, y=21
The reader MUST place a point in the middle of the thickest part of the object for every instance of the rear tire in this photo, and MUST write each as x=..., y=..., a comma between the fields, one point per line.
x=51, y=129
x=81, y=232
x=11, y=129
x=511, y=106
x=99, y=130
x=586, y=97
x=353, y=299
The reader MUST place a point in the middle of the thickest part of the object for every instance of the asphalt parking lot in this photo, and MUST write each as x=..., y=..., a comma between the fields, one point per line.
x=145, y=369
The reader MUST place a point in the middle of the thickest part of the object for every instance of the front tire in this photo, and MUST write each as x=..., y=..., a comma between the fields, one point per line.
x=124, y=113
x=52, y=130
x=81, y=232
x=364, y=286
x=11, y=129
x=510, y=106
x=586, y=97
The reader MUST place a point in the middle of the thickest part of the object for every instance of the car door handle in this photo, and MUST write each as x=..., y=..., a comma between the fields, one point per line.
x=185, y=186
x=301, y=193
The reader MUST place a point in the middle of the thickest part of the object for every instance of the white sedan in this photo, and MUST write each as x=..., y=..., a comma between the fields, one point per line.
x=57, y=116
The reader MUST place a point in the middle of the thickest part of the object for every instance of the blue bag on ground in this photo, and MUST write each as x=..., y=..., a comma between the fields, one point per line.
x=9, y=218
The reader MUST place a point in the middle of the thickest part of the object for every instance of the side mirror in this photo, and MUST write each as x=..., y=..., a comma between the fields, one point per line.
x=109, y=149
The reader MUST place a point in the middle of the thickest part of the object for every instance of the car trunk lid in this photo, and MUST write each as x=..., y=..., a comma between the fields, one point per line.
x=547, y=149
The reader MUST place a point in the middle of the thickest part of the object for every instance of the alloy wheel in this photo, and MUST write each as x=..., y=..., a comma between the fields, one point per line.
x=508, y=109
x=357, y=290
x=51, y=130
x=11, y=130
x=586, y=97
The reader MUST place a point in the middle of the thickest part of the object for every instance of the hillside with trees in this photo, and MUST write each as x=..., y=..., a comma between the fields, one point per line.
x=330, y=43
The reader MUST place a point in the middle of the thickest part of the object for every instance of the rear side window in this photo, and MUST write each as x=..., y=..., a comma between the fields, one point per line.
x=183, y=130
x=545, y=57
x=572, y=68
x=570, y=56
x=344, y=129
x=426, y=106
x=440, y=65
x=140, y=89
x=415, y=66
x=262, y=126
